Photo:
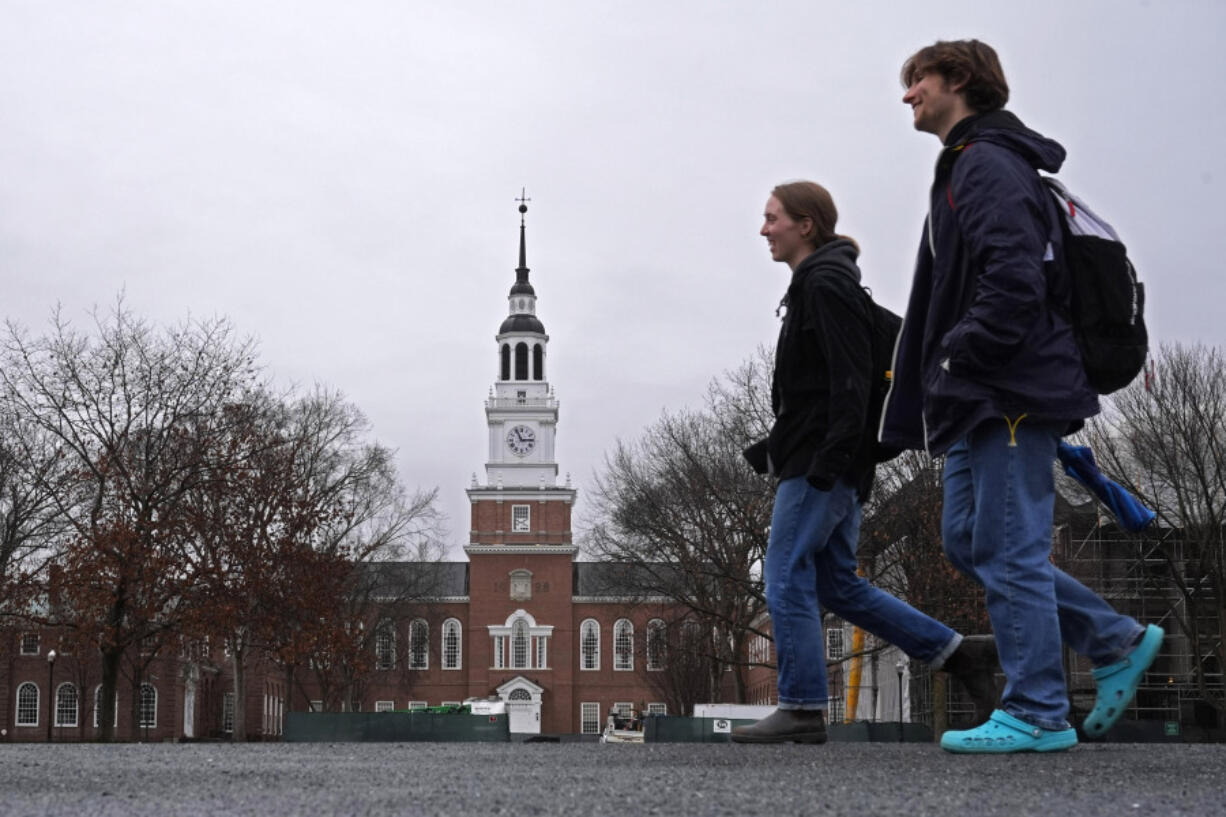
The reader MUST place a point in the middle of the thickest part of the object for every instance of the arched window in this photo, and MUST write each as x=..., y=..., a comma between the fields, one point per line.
x=519, y=645
x=521, y=361
x=589, y=644
x=520, y=695
x=385, y=646
x=419, y=644
x=657, y=635
x=505, y=358
x=66, y=705
x=98, y=707
x=27, y=704
x=148, y=706
x=452, y=642
x=538, y=362
x=623, y=645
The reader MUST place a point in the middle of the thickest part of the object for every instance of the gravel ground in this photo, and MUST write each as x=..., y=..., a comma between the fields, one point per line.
x=591, y=780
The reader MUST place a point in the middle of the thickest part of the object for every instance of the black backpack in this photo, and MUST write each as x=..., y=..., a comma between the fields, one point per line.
x=1108, y=302
x=885, y=326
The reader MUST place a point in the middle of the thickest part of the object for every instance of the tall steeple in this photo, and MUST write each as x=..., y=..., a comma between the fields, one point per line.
x=522, y=416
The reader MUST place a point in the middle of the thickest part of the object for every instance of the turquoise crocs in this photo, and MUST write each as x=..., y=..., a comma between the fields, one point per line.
x=1117, y=683
x=1004, y=733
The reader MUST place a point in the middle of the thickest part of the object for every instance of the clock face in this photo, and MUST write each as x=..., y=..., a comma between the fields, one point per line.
x=521, y=440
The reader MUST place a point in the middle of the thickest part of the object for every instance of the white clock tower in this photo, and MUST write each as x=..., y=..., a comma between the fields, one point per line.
x=521, y=413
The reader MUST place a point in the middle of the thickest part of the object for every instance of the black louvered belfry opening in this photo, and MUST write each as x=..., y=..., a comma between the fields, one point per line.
x=521, y=361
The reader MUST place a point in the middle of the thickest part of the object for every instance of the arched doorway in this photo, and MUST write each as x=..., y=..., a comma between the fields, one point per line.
x=523, y=699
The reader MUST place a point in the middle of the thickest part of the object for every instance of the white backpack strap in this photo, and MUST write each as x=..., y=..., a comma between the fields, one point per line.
x=1081, y=219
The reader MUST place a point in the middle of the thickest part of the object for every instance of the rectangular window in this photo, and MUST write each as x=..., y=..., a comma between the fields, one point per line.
x=317, y=706
x=589, y=718
x=227, y=712
x=834, y=644
x=29, y=643
x=385, y=649
x=835, y=715
x=451, y=703
x=521, y=518
x=499, y=657
x=624, y=709
x=542, y=652
x=385, y=706
x=418, y=704
x=657, y=709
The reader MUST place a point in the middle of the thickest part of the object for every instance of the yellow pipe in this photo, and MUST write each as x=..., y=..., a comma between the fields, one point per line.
x=853, y=675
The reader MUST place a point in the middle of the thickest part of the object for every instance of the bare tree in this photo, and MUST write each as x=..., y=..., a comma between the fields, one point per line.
x=682, y=508
x=1164, y=438
x=133, y=413
x=32, y=527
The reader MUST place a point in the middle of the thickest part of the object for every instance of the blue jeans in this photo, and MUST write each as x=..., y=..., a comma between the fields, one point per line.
x=811, y=560
x=997, y=529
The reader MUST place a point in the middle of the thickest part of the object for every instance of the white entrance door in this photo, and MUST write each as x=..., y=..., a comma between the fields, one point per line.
x=523, y=716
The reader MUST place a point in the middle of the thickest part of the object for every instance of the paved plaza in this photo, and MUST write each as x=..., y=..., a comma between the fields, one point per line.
x=590, y=780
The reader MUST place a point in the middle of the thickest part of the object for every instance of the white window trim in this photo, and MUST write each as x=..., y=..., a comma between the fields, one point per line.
x=459, y=644
x=451, y=703
x=385, y=706
x=385, y=653
x=831, y=640
x=228, y=712
x=417, y=705
x=76, y=711
x=523, y=512
x=657, y=708
x=142, y=723
x=506, y=631
x=38, y=644
x=623, y=662
x=586, y=708
x=316, y=706
x=582, y=630
x=38, y=704
x=424, y=664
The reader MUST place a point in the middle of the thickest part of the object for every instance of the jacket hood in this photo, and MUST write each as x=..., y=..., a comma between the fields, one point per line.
x=838, y=255
x=1004, y=129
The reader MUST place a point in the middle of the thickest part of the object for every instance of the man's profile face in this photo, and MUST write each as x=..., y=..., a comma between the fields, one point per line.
x=935, y=106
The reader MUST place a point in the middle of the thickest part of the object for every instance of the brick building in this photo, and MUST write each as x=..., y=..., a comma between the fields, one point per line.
x=521, y=619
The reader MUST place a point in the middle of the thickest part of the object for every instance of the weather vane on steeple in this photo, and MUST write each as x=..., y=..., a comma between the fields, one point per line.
x=523, y=204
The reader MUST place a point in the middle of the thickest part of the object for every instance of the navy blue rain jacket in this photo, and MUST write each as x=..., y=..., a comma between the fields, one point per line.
x=982, y=337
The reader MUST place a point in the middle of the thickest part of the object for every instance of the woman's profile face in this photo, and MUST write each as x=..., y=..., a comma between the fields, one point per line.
x=784, y=236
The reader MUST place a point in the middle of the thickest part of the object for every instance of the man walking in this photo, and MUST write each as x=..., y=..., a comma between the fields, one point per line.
x=987, y=373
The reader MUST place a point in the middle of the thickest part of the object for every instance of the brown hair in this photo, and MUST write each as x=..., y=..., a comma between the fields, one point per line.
x=971, y=64
x=812, y=201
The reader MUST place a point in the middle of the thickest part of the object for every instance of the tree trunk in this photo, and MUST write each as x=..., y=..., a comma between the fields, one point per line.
x=940, y=712
x=239, y=735
x=106, y=696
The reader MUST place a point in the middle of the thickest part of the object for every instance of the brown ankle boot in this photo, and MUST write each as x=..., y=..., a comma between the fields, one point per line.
x=783, y=726
x=976, y=664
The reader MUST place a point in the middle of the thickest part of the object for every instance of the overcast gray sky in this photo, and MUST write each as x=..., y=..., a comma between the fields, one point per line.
x=339, y=179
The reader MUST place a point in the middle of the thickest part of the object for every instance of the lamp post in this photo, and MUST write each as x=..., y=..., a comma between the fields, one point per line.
x=900, y=666
x=50, y=691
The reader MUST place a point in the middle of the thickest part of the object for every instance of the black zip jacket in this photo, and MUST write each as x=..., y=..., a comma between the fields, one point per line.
x=822, y=378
